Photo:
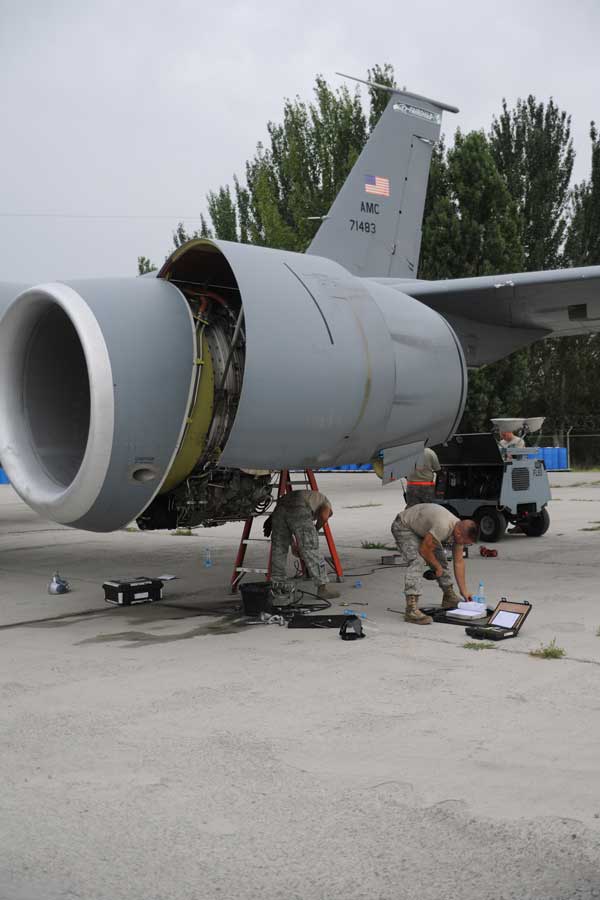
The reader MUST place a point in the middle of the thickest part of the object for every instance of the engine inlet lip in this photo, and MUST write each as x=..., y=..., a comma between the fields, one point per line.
x=17, y=449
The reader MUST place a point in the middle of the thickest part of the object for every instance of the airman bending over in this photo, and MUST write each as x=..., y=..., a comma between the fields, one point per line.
x=419, y=533
x=300, y=514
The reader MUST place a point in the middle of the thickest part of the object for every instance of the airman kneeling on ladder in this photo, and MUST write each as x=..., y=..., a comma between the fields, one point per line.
x=419, y=533
x=300, y=515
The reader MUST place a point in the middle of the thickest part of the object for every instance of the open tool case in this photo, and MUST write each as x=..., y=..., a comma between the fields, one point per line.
x=505, y=622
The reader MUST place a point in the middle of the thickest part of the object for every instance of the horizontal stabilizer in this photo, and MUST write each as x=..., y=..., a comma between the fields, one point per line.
x=496, y=314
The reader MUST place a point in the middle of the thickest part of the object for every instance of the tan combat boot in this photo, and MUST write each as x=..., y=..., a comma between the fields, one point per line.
x=413, y=613
x=450, y=599
x=326, y=592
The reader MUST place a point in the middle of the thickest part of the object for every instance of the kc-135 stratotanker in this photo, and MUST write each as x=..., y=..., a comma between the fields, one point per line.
x=158, y=398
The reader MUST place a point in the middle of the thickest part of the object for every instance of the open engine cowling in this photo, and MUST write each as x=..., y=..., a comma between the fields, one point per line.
x=116, y=393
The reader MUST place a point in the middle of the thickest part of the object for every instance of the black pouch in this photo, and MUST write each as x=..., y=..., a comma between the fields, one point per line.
x=351, y=629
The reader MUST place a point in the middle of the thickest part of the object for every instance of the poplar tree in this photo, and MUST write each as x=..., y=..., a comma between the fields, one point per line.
x=471, y=228
x=534, y=153
x=568, y=370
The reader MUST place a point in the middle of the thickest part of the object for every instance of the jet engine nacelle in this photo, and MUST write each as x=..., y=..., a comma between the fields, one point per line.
x=117, y=393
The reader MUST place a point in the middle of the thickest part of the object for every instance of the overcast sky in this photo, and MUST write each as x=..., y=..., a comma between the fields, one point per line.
x=129, y=108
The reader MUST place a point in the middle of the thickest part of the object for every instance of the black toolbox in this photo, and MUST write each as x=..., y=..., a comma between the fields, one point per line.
x=128, y=591
x=505, y=622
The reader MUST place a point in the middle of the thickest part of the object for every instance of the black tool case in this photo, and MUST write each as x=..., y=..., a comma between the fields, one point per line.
x=445, y=616
x=505, y=622
x=128, y=591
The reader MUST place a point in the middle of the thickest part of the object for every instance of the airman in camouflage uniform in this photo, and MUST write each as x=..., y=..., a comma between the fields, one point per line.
x=419, y=533
x=294, y=516
x=420, y=484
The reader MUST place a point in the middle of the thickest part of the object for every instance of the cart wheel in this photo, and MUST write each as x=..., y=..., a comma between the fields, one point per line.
x=538, y=525
x=492, y=524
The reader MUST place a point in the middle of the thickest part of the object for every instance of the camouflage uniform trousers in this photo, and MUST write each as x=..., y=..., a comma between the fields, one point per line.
x=297, y=522
x=408, y=544
x=419, y=493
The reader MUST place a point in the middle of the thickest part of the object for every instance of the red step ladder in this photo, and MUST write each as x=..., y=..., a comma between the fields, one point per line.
x=285, y=485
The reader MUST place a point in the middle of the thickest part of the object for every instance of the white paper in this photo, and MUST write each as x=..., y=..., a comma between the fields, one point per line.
x=167, y=577
x=472, y=604
x=505, y=619
x=476, y=613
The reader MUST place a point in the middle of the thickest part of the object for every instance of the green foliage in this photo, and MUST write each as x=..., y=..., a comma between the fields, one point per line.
x=534, y=153
x=375, y=545
x=548, y=651
x=582, y=247
x=378, y=99
x=471, y=226
x=181, y=236
x=291, y=182
x=145, y=265
x=479, y=645
x=223, y=214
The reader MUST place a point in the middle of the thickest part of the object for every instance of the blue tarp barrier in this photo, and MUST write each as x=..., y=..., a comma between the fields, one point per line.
x=3, y=477
x=555, y=459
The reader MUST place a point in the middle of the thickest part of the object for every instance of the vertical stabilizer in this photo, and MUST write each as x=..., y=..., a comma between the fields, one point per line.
x=374, y=226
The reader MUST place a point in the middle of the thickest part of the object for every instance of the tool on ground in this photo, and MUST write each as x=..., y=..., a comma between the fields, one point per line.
x=335, y=620
x=395, y=560
x=285, y=485
x=58, y=585
x=351, y=629
x=266, y=618
x=130, y=591
x=260, y=597
x=505, y=622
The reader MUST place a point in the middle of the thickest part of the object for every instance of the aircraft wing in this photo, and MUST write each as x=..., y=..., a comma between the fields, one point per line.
x=496, y=314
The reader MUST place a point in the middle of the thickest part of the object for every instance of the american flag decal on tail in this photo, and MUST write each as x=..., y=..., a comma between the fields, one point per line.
x=376, y=185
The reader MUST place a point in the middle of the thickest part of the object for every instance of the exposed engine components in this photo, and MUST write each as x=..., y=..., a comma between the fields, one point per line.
x=209, y=498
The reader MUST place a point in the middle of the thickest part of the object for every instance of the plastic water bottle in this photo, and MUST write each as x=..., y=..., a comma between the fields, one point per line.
x=480, y=598
x=358, y=583
x=207, y=558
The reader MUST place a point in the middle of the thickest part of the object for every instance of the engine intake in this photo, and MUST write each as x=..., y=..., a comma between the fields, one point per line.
x=95, y=382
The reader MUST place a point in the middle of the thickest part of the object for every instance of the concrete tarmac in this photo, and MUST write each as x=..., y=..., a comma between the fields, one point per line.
x=167, y=752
